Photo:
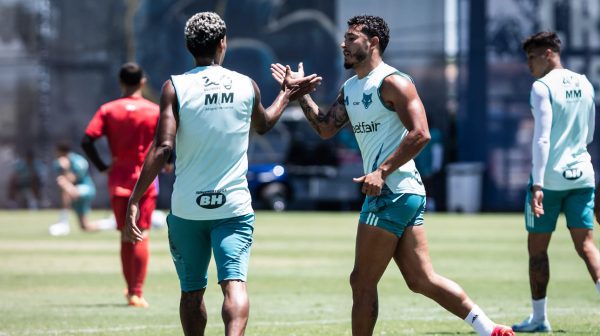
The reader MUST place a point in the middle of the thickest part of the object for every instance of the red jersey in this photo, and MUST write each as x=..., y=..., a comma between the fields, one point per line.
x=129, y=124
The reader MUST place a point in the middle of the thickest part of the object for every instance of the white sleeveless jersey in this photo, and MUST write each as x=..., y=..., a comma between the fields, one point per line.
x=569, y=163
x=378, y=129
x=215, y=107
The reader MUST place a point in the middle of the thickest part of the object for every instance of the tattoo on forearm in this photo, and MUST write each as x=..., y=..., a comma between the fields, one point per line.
x=335, y=117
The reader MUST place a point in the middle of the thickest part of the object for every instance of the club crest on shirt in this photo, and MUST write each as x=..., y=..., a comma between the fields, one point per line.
x=367, y=100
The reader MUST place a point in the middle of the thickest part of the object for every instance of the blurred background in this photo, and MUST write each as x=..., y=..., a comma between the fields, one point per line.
x=59, y=61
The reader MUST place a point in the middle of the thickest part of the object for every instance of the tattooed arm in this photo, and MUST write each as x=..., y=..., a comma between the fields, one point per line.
x=325, y=123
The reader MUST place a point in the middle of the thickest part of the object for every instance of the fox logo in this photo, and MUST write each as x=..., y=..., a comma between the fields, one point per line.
x=367, y=100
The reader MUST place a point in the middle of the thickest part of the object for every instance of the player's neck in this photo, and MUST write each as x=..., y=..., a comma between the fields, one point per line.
x=132, y=92
x=364, y=68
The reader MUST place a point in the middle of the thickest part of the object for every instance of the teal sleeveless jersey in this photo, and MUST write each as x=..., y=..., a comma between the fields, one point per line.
x=378, y=129
x=569, y=163
x=215, y=107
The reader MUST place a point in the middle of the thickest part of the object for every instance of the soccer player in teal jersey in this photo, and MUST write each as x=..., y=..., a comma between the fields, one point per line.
x=390, y=125
x=207, y=113
x=562, y=177
x=77, y=191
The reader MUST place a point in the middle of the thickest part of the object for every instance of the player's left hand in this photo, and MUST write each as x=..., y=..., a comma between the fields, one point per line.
x=131, y=232
x=371, y=183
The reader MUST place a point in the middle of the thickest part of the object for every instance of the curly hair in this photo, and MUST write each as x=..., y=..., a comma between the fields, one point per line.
x=373, y=26
x=548, y=40
x=203, y=32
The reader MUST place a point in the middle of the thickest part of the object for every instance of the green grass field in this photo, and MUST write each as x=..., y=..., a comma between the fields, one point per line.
x=298, y=279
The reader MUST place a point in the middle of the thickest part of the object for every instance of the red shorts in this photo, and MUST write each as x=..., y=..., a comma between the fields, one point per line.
x=147, y=206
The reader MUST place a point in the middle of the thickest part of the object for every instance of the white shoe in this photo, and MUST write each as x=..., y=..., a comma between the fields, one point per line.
x=529, y=325
x=59, y=229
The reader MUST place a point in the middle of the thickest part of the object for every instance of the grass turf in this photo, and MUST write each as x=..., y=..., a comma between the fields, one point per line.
x=298, y=280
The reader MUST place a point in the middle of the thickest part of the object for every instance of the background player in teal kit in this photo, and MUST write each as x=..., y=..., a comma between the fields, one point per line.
x=77, y=191
x=389, y=122
x=208, y=113
x=562, y=177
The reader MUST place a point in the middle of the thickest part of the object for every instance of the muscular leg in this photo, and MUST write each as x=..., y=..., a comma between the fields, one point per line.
x=412, y=257
x=374, y=250
x=583, y=240
x=192, y=313
x=236, y=307
x=539, y=267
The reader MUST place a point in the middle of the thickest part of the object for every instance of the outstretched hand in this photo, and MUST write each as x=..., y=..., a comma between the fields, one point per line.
x=294, y=83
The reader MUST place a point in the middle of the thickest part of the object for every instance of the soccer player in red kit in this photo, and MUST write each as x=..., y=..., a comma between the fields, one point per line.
x=129, y=124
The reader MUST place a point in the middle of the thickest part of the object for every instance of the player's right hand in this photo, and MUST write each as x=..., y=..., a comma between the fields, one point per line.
x=537, y=202
x=131, y=232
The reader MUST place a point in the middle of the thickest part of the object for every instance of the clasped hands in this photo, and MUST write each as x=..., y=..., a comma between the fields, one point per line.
x=295, y=83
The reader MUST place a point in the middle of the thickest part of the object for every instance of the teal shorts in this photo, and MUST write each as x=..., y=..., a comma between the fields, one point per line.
x=83, y=205
x=191, y=243
x=393, y=212
x=577, y=204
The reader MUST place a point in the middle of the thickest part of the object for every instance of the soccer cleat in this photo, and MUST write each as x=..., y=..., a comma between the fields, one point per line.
x=528, y=325
x=59, y=229
x=137, y=301
x=502, y=330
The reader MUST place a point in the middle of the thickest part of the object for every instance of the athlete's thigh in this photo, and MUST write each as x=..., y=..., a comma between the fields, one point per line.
x=231, y=240
x=189, y=242
x=119, y=207
x=579, y=208
x=147, y=205
x=546, y=223
x=374, y=250
x=83, y=204
x=412, y=253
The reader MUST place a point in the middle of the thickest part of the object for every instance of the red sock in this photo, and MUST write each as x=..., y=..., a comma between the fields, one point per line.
x=127, y=264
x=141, y=253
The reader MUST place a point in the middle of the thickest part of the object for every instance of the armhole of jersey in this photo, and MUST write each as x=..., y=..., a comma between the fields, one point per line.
x=549, y=92
x=176, y=95
x=379, y=87
x=253, y=92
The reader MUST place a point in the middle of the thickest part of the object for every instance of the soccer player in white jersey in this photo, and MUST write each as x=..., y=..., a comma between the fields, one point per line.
x=208, y=113
x=562, y=177
x=389, y=122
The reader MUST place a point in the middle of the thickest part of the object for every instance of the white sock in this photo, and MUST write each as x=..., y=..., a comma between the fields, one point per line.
x=480, y=322
x=539, y=309
x=598, y=285
x=63, y=216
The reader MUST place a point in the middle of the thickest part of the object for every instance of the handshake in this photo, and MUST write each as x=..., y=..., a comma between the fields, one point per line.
x=294, y=84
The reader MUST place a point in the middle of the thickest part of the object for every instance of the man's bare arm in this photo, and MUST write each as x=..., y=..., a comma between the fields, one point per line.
x=325, y=123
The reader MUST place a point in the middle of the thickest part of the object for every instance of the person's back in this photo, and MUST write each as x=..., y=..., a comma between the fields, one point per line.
x=129, y=124
x=569, y=163
x=215, y=108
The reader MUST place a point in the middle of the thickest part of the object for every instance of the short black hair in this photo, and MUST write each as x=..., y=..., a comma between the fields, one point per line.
x=131, y=74
x=203, y=33
x=542, y=39
x=63, y=146
x=373, y=26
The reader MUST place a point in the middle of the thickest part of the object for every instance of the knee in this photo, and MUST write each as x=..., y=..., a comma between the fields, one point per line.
x=419, y=283
x=360, y=283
